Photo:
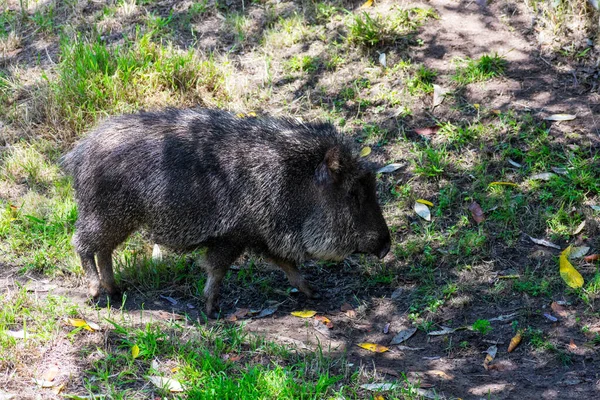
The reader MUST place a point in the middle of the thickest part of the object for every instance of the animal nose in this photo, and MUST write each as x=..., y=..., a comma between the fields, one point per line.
x=384, y=250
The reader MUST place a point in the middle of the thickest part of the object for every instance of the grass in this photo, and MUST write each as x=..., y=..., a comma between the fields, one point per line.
x=480, y=70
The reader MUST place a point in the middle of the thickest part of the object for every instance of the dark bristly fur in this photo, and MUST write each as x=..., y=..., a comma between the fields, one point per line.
x=207, y=178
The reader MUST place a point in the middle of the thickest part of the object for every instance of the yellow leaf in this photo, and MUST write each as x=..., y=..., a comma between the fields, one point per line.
x=252, y=114
x=365, y=151
x=503, y=184
x=514, y=342
x=367, y=4
x=304, y=313
x=375, y=348
x=77, y=322
x=380, y=397
x=569, y=274
x=135, y=351
x=240, y=115
x=427, y=203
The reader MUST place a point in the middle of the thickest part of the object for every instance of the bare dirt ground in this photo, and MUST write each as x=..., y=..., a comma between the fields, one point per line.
x=533, y=83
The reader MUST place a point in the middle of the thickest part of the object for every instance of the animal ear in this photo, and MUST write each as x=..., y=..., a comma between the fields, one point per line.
x=328, y=170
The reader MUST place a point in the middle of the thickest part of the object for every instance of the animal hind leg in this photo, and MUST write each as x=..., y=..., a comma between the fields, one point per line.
x=107, y=277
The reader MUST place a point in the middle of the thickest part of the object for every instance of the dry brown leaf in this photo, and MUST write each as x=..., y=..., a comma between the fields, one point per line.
x=477, y=212
x=439, y=373
x=351, y=314
x=559, y=310
x=579, y=228
x=346, y=307
x=592, y=257
x=326, y=321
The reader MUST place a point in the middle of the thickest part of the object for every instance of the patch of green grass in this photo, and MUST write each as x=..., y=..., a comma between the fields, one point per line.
x=461, y=135
x=365, y=30
x=482, y=326
x=286, y=32
x=94, y=79
x=44, y=18
x=533, y=286
x=238, y=23
x=431, y=162
x=40, y=319
x=421, y=81
x=482, y=69
x=373, y=30
x=35, y=232
x=158, y=24
x=303, y=64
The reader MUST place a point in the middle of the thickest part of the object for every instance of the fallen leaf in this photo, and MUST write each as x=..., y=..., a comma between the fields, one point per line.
x=346, y=307
x=544, y=176
x=326, y=321
x=58, y=389
x=135, y=351
x=365, y=151
x=169, y=384
x=426, y=202
x=503, y=184
x=490, y=355
x=595, y=208
x=252, y=114
x=382, y=60
x=561, y=171
x=388, y=168
x=439, y=94
x=477, y=212
x=386, y=328
x=169, y=299
x=16, y=334
x=379, y=397
x=6, y=396
x=560, y=117
x=304, y=313
x=570, y=275
x=422, y=211
x=379, y=387
x=44, y=384
x=592, y=257
x=572, y=346
x=559, y=310
x=407, y=348
x=241, y=312
x=505, y=317
x=444, y=331
x=82, y=323
x=157, y=255
x=550, y=317
x=514, y=163
x=367, y=4
x=375, y=348
x=514, y=342
x=579, y=228
x=94, y=326
x=440, y=374
x=50, y=374
x=266, y=312
x=428, y=131
x=351, y=314
x=578, y=252
x=231, y=318
x=543, y=242
x=403, y=335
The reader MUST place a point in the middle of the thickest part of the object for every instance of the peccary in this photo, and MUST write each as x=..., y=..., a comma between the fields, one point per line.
x=211, y=179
